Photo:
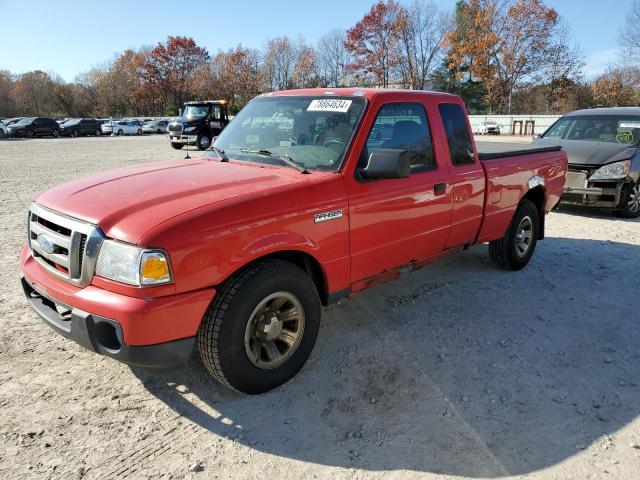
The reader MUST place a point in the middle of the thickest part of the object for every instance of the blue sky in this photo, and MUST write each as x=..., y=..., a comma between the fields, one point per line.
x=68, y=37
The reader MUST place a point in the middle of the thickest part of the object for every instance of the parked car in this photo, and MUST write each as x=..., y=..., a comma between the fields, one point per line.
x=11, y=121
x=122, y=127
x=3, y=129
x=155, y=126
x=489, y=127
x=81, y=126
x=296, y=205
x=201, y=121
x=603, y=146
x=34, y=127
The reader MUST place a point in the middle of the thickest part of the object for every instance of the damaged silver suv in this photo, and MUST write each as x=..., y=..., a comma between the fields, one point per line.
x=603, y=147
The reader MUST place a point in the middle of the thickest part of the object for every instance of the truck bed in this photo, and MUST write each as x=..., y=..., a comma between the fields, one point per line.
x=493, y=150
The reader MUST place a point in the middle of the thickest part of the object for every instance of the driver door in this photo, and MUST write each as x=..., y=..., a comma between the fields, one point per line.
x=395, y=222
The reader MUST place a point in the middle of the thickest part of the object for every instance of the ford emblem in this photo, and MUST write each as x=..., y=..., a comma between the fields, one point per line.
x=46, y=244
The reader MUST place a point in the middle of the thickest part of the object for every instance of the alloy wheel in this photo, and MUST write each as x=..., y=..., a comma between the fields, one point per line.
x=274, y=330
x=524, y=236
x=634, y=199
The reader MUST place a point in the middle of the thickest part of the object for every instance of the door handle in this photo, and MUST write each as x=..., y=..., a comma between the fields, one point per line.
x=440, y=188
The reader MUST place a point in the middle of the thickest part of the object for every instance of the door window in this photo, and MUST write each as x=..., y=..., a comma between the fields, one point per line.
x=458, y=137
x=401, y=126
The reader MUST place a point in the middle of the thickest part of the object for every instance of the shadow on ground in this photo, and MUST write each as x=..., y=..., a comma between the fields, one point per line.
x=597, y=213
x=443, y=372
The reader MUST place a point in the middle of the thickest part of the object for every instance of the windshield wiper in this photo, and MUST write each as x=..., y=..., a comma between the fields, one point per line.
x=221, y=155
x=283, y=158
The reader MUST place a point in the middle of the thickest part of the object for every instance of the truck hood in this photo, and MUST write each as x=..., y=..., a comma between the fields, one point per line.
x=128, y=202
x=581, y=152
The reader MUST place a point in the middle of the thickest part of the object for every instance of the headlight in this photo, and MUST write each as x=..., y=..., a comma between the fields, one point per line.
x=189, y=129
x=132, y=265
x=612, y=171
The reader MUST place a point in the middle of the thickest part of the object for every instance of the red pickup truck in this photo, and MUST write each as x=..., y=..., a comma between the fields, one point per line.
x=307, y=196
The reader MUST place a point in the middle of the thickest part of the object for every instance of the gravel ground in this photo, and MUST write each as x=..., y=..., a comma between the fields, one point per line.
x=455, y=371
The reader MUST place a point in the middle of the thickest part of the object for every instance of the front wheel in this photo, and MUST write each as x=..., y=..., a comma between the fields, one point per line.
x=261, y=327
x=120, y=132
x=98, y=132
x=203, y=141
x=629, y=206
x=139, y=132
x=515, y=249
x=177, y=146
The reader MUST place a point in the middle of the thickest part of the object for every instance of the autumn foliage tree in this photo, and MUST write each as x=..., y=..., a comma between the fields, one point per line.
x=505, y=43
x=170, y=66
x=374, y=42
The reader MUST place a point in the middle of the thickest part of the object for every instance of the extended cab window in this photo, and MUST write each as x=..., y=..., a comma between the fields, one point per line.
x=458, y=137
x=401, y=126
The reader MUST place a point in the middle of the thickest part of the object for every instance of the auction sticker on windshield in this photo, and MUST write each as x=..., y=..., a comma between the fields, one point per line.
x=329, y=105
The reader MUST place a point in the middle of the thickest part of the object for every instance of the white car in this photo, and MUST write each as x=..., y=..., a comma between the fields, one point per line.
x=489, y=128
x=155, y=126
x=3, y=129
x=122, y=127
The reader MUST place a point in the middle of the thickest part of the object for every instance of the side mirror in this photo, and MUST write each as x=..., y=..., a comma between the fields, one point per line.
x=387, y=163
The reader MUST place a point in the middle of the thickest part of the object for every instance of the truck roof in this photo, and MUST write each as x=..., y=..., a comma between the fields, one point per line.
x=206, y=102
x=368, y=93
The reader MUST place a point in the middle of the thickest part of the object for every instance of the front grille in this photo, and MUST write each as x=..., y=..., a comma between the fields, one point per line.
x=66, y=247
x=175, y=128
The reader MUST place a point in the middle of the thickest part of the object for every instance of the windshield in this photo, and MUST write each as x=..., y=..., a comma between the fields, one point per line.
x=72, y=122
x=624, y=129
x=195, y=111
x=25, y=121
x=314, y=132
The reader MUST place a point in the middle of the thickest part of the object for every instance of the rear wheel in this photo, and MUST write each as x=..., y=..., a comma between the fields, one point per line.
x=177, y=146
x=261, y=327
x=139, y=131
x=629, y=206
x=30, y=134
x=203, y=141
x=120, y=132
x=515, y=249
x=98, y=132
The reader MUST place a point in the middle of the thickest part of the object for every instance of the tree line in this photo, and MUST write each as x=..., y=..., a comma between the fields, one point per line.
x=501, y=56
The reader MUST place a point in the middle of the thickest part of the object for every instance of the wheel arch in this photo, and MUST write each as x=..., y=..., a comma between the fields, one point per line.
x=301, y=259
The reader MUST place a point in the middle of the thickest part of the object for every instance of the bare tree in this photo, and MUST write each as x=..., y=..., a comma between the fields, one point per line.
x=628, y=35
x=279, y=63
x=563, y=69
x=423, y=31
x=333, y=58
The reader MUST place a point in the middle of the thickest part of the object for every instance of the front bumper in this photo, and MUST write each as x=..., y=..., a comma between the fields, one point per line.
x=177, y=138
x=579, y=191
x=155, y=333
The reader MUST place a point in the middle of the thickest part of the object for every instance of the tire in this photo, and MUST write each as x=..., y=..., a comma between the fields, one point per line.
x=98, y=132
x=120, y=132
x=158, y=131
x=75, y=134
x=56, y=133
x=2, y=134
x=203, y=141
x=508, y=252
x=30, y=134
x=629, y=206
x=177, y=146
x=139, y=132
x=230, y=329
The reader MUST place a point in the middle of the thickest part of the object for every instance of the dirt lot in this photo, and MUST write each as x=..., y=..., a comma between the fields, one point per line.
x=456, y=371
